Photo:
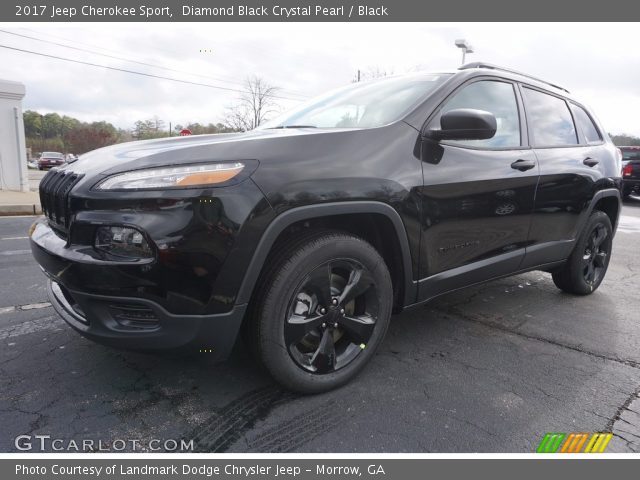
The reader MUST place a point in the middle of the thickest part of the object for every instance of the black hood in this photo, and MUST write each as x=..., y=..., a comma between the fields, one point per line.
x=180, y=150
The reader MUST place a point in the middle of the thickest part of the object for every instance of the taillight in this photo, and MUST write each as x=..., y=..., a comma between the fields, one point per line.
x=626, y=171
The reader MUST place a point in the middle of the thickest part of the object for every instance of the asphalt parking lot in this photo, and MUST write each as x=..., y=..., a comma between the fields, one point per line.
x=488, y=369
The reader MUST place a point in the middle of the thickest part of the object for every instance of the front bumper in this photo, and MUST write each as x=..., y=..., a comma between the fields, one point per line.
x=108, y=320
x=123, y=319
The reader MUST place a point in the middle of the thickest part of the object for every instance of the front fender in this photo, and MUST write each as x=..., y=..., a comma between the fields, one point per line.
x=289, y=217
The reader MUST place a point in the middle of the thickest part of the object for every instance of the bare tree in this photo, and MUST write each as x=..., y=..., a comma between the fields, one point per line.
x=254, y=106
x=372, y=72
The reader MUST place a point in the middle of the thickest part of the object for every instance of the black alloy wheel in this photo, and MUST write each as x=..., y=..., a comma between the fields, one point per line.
x=322, y=309
x=595, y=255
x=587, y=265
x=332, y=316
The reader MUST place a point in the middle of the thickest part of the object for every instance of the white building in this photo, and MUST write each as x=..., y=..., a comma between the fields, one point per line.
x=13, y=159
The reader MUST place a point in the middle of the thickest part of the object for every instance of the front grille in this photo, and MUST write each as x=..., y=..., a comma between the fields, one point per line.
x=54, y=197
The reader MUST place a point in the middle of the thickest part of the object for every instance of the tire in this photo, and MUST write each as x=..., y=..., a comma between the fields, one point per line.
x=585, y=269
x=304, y=349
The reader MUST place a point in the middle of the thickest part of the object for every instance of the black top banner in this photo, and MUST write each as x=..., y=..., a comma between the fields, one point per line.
x=317, y=11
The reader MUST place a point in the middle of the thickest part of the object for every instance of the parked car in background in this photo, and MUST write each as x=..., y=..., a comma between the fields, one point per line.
x=630, y=170
x=50, y=160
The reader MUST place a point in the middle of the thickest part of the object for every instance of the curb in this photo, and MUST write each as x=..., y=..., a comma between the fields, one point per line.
x=24, y=209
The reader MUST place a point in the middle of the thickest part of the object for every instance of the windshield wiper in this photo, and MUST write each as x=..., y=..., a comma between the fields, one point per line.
x=294, y=126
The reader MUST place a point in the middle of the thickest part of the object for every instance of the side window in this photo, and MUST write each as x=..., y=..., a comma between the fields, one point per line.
x=492, y=96
x=584, y=122
x=549, y=119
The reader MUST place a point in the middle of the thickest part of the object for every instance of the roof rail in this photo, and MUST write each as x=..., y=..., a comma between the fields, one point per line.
x=468, y=66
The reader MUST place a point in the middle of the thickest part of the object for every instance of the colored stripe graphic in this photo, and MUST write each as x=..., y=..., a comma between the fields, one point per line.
x=574, y=442
x=598, y=442
x=569, y=443
x=580, y=443
x=551, y=442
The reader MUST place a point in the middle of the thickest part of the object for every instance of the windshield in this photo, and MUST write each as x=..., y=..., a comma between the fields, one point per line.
x=361, y=105
x=630, y=154
x=51, y=154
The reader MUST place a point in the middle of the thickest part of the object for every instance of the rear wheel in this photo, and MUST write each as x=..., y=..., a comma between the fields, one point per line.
x=586, y=267
x=321, y=312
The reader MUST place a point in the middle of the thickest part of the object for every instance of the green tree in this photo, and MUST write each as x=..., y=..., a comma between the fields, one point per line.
x=625, y=140
x=32, y=124
x=150, y=128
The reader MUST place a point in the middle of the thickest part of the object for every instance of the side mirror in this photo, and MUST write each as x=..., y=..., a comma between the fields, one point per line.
x=465, y=124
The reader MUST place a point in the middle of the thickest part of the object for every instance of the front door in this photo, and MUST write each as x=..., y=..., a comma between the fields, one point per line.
x=478, y=195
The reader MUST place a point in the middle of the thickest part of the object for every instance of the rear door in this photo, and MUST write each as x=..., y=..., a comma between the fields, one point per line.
x=478, y=195
x=570, y=168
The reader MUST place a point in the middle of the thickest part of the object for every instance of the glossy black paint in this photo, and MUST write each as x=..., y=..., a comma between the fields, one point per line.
x=191, y=237
x=464, y=124
x=460, y=215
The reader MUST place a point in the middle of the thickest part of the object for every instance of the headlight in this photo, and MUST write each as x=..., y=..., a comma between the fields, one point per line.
x=166, y=177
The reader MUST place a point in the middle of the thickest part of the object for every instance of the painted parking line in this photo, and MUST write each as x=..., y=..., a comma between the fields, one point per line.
x=15, y=252
x=29, y=306
x=49, y=322
x=14, y=238
x=52, y=322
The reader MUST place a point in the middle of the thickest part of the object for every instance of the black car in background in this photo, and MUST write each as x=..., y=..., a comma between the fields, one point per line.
x=630, y=170
x=307, y=233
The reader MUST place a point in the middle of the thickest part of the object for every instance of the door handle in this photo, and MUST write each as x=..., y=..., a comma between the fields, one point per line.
x=523, y=165
x=590, y=162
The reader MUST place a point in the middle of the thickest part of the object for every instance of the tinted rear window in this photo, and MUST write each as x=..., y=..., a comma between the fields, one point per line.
x=550, y=120
x=584, y=122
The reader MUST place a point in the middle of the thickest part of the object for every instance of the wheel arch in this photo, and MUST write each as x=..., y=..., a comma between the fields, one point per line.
x=608, y=201
x=299, y=215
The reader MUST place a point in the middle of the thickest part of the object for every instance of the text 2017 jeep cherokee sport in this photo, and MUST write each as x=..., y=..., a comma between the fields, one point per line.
x=310, y=231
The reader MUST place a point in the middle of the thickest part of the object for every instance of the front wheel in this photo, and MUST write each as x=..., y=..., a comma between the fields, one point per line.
x=586, y=267
x=322, y=311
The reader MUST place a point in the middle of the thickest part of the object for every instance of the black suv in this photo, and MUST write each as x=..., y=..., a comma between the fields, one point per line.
x=308, y=232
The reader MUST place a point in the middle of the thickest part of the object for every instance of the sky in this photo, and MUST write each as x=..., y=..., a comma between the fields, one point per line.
x=598, y=63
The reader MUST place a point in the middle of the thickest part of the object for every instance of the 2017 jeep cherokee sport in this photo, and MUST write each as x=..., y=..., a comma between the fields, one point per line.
x=311, y=230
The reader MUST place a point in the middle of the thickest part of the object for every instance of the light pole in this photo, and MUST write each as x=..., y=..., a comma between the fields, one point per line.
x=463, y=45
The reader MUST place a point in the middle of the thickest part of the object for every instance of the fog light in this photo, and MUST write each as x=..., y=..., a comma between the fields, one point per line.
x=122, y=242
